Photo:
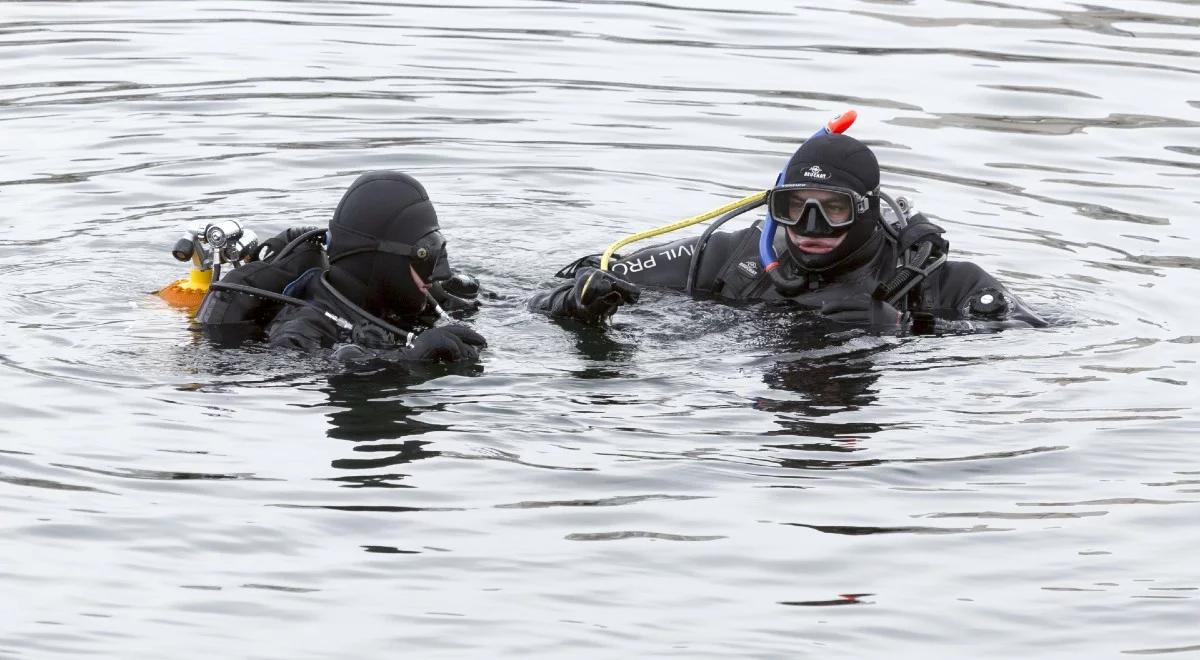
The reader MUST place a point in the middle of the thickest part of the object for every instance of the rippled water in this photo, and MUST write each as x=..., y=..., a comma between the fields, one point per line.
x=698, y=481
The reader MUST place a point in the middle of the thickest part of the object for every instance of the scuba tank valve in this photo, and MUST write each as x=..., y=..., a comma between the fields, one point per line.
x=207, y=246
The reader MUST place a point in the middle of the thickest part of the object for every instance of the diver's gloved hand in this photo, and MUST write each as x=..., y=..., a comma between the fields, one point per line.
x=597, y=295
x=589, y=261
x=367, y=340
x=448, y=343
x=457, y=293
x=270, y=247
x=369, y=335
x=347, y=353
x=864, y=312
x=461, y=285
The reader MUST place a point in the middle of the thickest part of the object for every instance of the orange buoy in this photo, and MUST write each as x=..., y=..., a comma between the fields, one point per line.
x=188, y=292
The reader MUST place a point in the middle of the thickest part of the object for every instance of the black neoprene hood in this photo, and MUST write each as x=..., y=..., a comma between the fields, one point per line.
x=382, y=206
x=834, y=160
x=380, y=211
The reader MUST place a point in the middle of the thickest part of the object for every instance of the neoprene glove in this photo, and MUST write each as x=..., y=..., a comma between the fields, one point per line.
x=865, y=312
x=597, y=295
x=448, y=343
x=461, y=285
x=369, y=335
x=458, y=293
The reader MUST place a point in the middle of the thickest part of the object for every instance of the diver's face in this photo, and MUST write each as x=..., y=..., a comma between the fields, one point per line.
x=408, y=304
x=422, y=286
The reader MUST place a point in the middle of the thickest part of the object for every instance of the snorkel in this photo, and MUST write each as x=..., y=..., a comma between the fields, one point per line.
x=766, y=240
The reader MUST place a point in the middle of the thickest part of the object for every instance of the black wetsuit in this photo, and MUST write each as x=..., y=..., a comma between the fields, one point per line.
x=848, y=269
x=319, y=323
x=386, y=257
x=233, y=315
x=956, y=295
x=309, y=328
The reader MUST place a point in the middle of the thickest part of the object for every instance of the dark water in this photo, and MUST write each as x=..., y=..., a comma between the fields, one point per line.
x=700, y=480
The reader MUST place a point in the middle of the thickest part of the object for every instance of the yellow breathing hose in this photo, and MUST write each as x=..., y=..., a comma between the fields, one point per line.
x=666, y=229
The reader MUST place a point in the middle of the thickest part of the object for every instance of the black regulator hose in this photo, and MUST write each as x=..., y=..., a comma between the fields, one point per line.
x=702, y=242
x=367, y=316
x=287, y=249
x=257, y=292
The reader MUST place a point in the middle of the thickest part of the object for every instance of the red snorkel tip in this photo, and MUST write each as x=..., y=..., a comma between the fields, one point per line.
x=840, y=123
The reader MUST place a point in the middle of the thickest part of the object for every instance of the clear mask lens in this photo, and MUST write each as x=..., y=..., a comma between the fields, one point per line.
x=796, y=205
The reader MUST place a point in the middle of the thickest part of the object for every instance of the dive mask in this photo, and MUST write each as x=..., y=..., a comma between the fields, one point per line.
x=816, y=210
x=429, y=257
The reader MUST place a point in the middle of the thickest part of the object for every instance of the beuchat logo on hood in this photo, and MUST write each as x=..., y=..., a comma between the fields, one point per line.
x=815, y=172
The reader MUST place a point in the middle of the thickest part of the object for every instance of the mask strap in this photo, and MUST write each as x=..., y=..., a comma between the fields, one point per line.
x=388, y=247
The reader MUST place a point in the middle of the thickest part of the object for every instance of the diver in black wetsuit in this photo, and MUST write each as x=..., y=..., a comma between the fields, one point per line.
x=369, y=294
x=840, y=257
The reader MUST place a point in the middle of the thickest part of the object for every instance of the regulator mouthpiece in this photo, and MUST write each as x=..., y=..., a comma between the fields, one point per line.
x=184, y=248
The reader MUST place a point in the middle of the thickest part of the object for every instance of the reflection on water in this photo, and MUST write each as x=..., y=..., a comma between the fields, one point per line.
x=370, y=407
x=821, y=382
x=738, y=474
x=603, y=355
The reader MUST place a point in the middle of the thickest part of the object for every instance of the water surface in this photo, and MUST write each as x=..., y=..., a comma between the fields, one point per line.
x=697, y=481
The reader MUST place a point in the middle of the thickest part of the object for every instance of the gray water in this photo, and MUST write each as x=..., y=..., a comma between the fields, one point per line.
x=697, y=481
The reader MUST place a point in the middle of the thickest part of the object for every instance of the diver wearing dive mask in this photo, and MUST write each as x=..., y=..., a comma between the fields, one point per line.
x=838, y=255
x=372, y=289
x=827, y=201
